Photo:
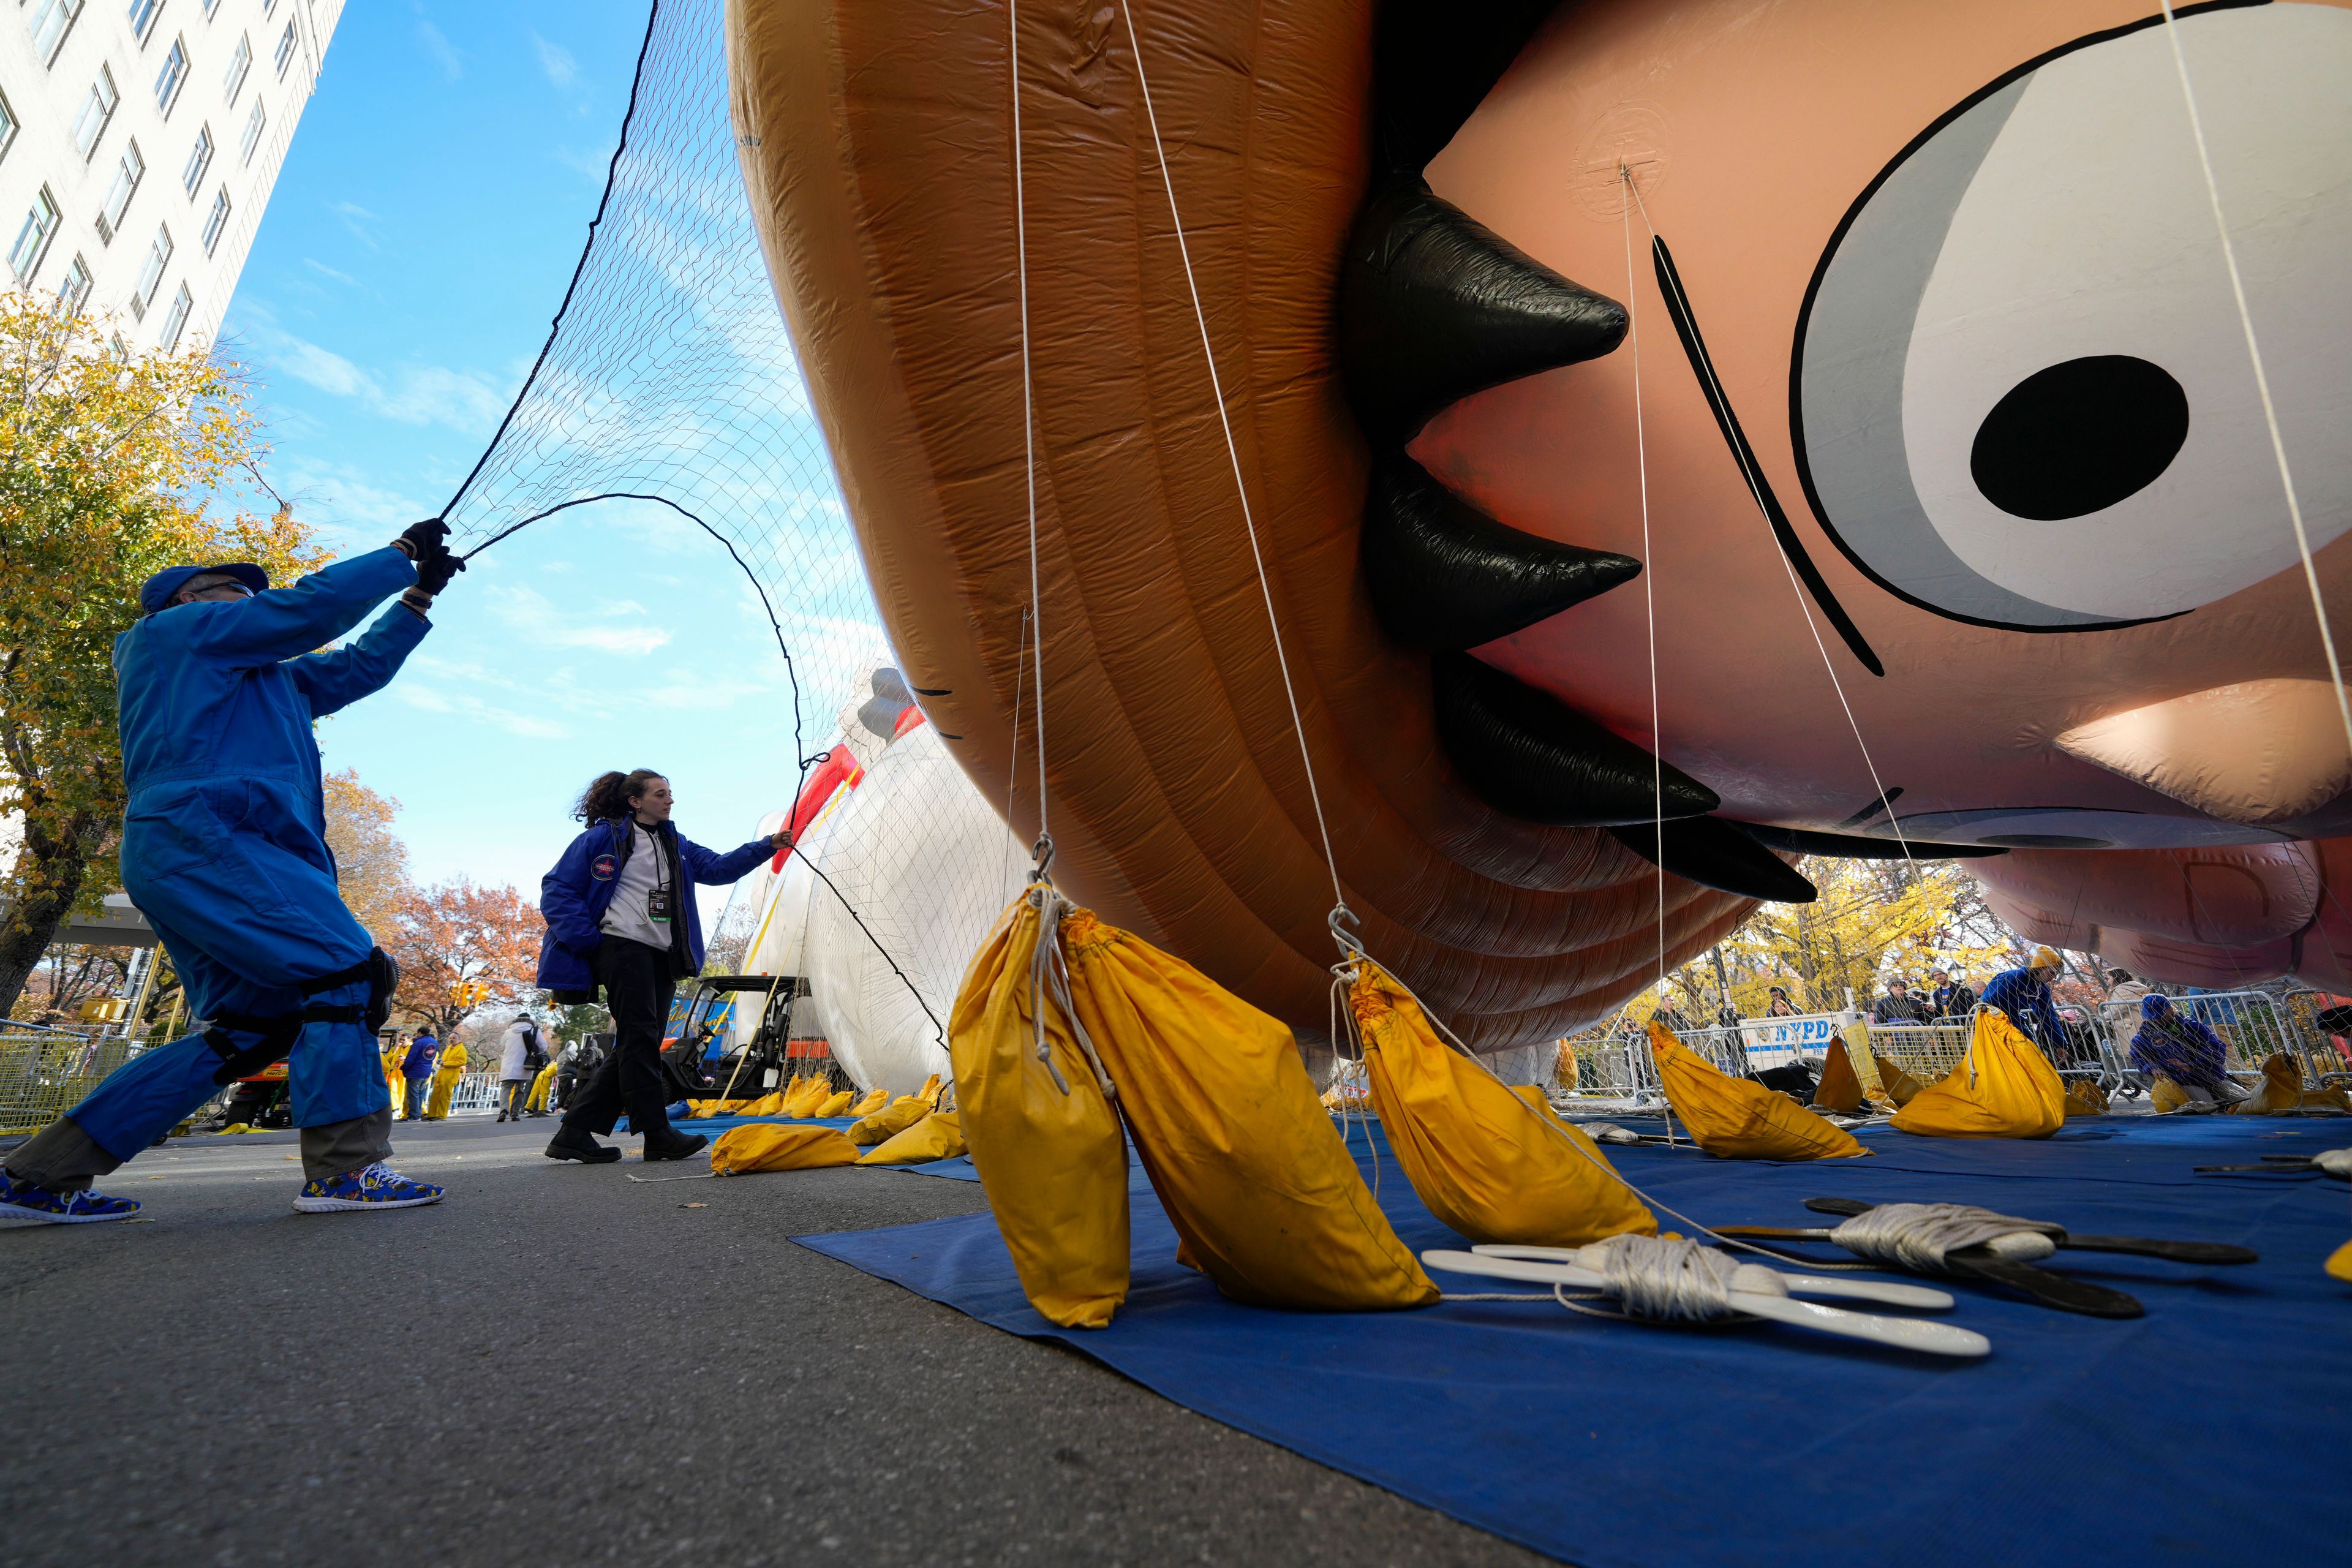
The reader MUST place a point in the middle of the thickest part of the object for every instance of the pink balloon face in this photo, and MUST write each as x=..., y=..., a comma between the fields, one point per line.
x=1939, y=383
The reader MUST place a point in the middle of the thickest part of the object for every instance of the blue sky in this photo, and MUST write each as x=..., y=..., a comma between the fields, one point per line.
x=421, y=234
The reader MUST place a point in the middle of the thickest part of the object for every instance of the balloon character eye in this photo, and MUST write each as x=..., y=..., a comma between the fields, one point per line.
x=2021, y=394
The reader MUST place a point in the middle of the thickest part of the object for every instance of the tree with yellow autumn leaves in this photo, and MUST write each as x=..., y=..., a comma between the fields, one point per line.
x=1874, y=920
x=112, y=469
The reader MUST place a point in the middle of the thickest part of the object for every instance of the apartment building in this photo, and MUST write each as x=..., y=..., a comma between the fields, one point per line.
x=138, y=141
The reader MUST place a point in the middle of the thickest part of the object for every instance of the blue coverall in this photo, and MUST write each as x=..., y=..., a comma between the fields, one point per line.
x=225, y=851
x=2027, y=1001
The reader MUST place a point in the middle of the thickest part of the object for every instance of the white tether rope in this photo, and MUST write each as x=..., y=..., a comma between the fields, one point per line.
x=2261, y=379
x=1241, y=485
x=1705, y=367
x=1045, y=848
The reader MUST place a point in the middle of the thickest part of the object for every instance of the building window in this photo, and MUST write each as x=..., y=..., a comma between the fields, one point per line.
x=200, y=158
x=151, y=272
x=174, y=72
x=238, y=64
x=143, y=18
x=127, y=176
x=251, y=137
x=182, y=303
x=74, y=292
x=216, y=220
x=211, y=6
x=48, y=22
x=285, y=51
x=89, y=121
x=7, y=127
x=33, y=239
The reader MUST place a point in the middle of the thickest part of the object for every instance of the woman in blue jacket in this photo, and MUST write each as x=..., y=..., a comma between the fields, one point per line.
x=620, y=913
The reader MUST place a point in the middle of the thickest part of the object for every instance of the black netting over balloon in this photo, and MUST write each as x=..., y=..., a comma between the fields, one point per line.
x=668, y=377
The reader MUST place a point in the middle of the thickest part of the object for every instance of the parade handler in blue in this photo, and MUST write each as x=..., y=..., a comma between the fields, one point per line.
x=620, y=914
x=225, y=851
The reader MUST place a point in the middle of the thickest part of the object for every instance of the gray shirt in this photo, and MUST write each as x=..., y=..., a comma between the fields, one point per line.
x=647, y=868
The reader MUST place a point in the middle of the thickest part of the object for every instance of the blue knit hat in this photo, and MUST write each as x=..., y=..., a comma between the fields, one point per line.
x=155, y=594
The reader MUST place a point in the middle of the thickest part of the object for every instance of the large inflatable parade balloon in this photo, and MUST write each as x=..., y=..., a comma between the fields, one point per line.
x=1823, y=428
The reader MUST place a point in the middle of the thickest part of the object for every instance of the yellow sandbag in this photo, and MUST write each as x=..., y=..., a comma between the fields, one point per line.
x=1050, y=1156
x=929, y=1092
x=2003, y=1088
x=878, y=1126
x=812, y=1093
x=937, y=1136
x=1262, y=1192
x=870, y=1104
x=765, y=1146
x=2085, y=1098
x=1565, y=1072
x=2281, y=1090
x=1493, y=1162
x=1901, y=1088
x=1738, y=1118
x=1840, y=1088
x=2166, y=1095
x=836, y=1104
x=2339, y=1262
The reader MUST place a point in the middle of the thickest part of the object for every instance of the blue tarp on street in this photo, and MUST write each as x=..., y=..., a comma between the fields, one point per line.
x=2209, y=1431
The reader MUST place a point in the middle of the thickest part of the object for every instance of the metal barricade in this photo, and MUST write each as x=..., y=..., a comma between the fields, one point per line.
x=2326, y=1053
x=45, y=1072
x=1926, y=1051
x=1611, y=1066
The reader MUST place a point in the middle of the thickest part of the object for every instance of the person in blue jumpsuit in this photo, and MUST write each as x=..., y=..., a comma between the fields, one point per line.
x=225, y=851
x=2024, y=995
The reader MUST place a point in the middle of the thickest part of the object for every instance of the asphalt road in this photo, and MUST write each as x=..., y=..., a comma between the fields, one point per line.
x=558, y=1365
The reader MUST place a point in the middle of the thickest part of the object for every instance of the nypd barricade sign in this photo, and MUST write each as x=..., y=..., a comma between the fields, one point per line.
x=1777, y=1042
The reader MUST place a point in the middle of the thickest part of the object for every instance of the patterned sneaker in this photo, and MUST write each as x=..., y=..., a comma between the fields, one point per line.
x=378, y=1186
x=23, y=1200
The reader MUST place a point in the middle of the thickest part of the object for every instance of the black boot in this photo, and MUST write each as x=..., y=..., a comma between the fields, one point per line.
x=668, y=1143
x=571, y=1143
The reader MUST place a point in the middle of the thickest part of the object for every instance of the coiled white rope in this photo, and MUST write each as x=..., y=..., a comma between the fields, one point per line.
x=1653, y=1280
x=1920, y=1237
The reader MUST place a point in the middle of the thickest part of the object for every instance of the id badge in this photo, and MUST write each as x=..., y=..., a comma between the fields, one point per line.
x=658, y=905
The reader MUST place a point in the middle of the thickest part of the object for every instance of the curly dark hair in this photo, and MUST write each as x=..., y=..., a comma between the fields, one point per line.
x=608, y=794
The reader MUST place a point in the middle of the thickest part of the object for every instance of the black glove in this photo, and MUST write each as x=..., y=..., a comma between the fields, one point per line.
x=435, y=570
x=427, y=543
x=423, y=539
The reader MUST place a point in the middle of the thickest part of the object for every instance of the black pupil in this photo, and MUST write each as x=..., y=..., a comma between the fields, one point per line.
x=2079, y=436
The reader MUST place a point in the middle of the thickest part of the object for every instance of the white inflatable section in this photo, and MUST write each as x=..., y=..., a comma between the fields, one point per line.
x=928, y=865
x=768, y=913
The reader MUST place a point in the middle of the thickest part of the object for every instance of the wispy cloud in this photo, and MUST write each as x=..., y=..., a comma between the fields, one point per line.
x=356, y=218
x=323, y=270
x=437, y=46
x=474, y=712
x=613, y=627
x=464, y=400
x=561, y=69
x=591, y=163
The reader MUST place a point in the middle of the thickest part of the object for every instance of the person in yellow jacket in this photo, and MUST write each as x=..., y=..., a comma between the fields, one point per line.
x=539, y=1088
x=394, y=1050
x=444, y=1081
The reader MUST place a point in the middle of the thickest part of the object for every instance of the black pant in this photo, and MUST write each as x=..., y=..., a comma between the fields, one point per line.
x=638, y=985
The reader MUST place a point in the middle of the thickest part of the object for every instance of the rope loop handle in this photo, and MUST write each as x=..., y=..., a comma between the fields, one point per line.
x=1049, y=981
